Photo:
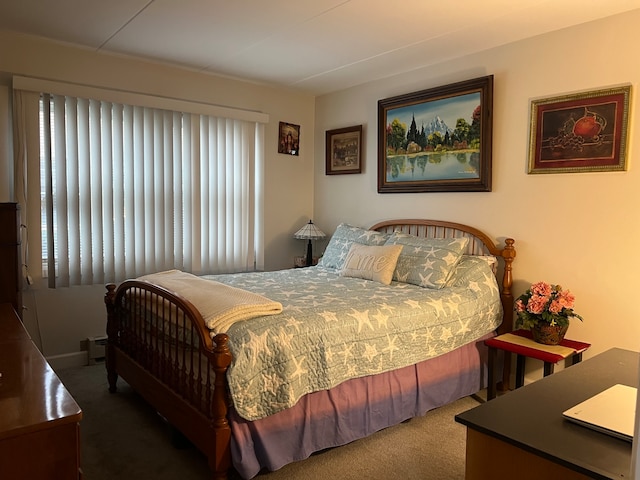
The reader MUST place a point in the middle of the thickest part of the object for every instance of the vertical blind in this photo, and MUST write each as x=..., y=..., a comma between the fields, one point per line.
x=129, y=190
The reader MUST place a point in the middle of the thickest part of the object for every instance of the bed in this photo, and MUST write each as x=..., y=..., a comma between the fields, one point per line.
x=346, y=355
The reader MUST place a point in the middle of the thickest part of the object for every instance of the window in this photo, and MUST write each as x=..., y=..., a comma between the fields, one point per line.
x=128, y=190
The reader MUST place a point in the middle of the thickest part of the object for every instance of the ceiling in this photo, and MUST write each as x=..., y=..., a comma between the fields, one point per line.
x=317, y=46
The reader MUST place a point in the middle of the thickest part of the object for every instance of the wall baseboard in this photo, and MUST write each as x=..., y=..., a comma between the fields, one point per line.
x=67, y=360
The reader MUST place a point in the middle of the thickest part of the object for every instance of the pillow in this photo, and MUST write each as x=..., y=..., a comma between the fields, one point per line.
x=473, y=268
x=489, y=260
x=341, y=241
x=375, y=263
x=427, y=262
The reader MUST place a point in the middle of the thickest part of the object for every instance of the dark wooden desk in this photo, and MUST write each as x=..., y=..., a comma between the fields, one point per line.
x=522, y=434
x=39, y=419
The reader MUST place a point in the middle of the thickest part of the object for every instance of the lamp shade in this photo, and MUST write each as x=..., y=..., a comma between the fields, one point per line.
x=309, y=232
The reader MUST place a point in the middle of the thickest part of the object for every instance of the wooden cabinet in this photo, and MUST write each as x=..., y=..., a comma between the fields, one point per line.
x=39, y=419
x=10, y=256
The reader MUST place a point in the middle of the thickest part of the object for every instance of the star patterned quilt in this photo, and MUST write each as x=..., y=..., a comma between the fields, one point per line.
x=333, y=328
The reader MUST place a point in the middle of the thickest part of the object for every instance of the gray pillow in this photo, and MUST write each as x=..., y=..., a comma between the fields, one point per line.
x=427, y=262
x=473, y=268
x=341, y=241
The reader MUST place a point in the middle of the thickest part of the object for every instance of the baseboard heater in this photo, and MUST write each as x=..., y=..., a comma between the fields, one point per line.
x=96, y=349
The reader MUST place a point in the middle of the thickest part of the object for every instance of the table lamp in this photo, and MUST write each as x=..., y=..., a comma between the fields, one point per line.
x=309, y=232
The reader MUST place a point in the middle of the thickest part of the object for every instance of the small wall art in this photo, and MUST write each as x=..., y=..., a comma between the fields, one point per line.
x=289, y=139
x=581, y=132
x=344, y=150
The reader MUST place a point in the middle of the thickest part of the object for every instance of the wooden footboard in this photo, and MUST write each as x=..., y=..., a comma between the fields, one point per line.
x=159, y=344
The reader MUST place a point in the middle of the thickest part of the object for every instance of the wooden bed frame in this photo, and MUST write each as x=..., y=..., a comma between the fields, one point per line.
x=178, y=382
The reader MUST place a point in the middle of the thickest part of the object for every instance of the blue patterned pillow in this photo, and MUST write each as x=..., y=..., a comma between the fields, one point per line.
x=473, y=268
x=427, y=262
x=341, y=241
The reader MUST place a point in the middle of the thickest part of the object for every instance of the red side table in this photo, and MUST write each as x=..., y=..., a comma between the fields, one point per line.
x=521, y=343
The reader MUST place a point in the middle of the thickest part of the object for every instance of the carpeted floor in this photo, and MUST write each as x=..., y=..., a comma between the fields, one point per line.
x=122, y=438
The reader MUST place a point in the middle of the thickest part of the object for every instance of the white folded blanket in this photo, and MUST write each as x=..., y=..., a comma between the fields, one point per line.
x=220, y=305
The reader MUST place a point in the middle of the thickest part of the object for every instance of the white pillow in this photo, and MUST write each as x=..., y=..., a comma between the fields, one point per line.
x=375, y=263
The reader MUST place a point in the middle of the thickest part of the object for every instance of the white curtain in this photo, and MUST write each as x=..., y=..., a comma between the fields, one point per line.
x=26, y=172
x=129, y=190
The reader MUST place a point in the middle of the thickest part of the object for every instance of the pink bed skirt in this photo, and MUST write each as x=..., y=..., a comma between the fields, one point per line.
x=355, y=409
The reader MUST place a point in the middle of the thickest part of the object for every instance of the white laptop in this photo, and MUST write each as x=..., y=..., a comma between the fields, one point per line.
x=612, y=412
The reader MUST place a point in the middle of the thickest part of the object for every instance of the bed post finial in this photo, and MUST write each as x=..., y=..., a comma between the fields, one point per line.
x=508, y=254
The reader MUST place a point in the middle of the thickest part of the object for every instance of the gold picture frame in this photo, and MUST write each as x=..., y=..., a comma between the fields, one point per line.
x=580, y=132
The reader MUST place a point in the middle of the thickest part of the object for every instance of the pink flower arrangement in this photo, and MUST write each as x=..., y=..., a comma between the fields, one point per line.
x=544, y=303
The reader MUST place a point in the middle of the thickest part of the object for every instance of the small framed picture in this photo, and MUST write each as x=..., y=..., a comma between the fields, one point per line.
x=581, y=132
x=289, y=139
x=344, y=150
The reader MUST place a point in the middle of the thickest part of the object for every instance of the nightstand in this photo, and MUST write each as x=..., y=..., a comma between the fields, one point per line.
x=301, y=261
x=521, y=343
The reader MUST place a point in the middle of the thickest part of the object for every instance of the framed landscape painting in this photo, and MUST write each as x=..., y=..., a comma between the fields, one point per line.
x=437, y=140
x=581, y=132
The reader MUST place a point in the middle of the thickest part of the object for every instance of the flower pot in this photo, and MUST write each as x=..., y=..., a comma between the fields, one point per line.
x=549, y=334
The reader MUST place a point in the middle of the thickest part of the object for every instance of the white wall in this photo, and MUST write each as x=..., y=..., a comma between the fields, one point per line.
x=65, y=316
x=578, y=230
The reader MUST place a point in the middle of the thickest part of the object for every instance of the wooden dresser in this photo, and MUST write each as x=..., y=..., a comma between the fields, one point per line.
x=10, y=256
x=39, y=419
